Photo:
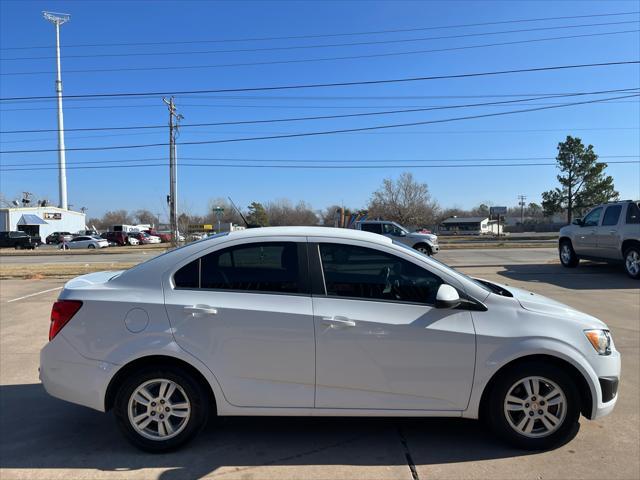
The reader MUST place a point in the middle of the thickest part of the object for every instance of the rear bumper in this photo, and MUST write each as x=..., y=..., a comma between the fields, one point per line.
x=67, y=375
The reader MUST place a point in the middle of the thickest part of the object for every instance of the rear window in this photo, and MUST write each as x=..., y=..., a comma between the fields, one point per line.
x=633, y=213
x=270, y=267
x=371, y=227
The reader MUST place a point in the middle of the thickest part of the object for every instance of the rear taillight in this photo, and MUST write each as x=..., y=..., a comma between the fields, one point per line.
x=61, y=313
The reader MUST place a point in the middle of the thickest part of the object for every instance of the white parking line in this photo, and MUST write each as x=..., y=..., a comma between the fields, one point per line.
x=33, y=294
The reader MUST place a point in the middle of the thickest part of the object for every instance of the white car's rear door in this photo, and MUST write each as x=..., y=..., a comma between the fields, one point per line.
x=245, y=310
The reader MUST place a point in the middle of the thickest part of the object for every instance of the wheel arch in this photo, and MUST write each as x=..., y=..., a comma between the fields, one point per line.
x=422, y=244
x=563, y=239
x=155, y=361
x=586, y=397
x=628, y=244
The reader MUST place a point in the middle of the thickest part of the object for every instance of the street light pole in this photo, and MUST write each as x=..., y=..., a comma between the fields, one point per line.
x=58, y=19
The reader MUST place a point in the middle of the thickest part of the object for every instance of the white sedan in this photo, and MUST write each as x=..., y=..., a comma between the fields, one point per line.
x=85, y=241
x=313, y=321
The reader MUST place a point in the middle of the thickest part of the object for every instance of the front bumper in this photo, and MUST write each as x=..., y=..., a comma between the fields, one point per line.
x=67, y=375
x=607, y=369
x=435, y=248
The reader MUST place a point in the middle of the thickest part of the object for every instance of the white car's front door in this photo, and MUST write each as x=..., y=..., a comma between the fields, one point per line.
x=380, y=341
x=246, y=312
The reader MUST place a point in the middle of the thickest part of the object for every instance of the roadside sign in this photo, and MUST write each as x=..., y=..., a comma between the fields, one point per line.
x=497, y=210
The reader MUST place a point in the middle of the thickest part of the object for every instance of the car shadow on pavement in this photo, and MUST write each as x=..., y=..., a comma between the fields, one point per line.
x=587, y=276
x=41, y=432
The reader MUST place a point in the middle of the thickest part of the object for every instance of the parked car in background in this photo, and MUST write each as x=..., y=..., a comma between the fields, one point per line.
x=85, y=241
x=91, y=233
x=117, y=238
x=426, y=243
x=314, y=321
x=144, y=238
x=165, y=237
x=166, y=234
x=609, y=232
x=58, y=237
x=18, y=240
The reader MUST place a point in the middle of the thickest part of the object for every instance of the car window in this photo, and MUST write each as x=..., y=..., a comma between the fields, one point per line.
x=593, y=218
x=256, y=267
x=371, y=227
x=359, y=272
x=611, y=215
x=633, y=213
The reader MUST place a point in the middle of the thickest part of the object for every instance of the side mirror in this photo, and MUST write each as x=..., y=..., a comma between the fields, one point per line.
x=447, y=297
x=401, y=233
x=579, y=222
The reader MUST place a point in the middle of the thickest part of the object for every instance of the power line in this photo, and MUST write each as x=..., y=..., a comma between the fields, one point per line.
x=280, y=160
x=406, y=132
x=326, y=132
x=236, y=165
x=311, y=60
x=333, y=84
x=322, y=117
x=268, y=107
x=326, y=45
x=345, y=34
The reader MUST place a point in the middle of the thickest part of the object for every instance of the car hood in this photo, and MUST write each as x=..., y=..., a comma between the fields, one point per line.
x=540, y=304
x=424, y=236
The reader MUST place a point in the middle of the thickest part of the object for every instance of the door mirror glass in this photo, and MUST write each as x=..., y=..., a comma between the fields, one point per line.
x=447, y=297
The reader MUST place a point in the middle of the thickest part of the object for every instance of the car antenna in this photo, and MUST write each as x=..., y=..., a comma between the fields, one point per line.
x=249, y=225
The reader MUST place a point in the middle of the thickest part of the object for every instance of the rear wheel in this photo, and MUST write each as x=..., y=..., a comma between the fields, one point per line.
x=91, y=246
x=632, y=262
x=568, y=256
x=534, y=406
x=161, y=409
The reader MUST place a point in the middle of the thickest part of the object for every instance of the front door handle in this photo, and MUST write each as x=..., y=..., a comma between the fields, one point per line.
x=338, y=321
x=201, y=309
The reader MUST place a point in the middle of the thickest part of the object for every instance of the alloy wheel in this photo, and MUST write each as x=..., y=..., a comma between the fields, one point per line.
x=565, y=253
x=632, y=262
x=159, y=409
x=535, y=407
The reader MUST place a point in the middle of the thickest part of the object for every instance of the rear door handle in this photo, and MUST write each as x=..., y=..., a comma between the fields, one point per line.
x=338, y=321
x=201, y=309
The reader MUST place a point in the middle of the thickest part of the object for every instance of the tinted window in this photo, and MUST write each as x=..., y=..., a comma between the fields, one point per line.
x=633, y=213
x=611, y=215
x=260, y=267
x=593, y=218
x=188, y=276
x=389, y=228
x=371, y=227
x=359, y=272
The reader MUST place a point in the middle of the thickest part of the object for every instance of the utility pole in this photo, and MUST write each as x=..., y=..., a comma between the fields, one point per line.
x=172, y=199
x=58, y=19
x=521, y=202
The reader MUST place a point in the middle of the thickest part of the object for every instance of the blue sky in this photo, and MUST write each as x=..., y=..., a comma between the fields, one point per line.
x=611, y=127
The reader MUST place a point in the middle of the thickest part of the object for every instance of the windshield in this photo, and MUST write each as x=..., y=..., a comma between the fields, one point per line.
x=446, y=267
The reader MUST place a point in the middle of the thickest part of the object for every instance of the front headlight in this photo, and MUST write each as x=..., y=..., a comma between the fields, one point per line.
x=601, y=340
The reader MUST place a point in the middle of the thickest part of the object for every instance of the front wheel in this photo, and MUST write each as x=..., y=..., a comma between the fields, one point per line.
x=632, y=262
x=568, y=256
x=161, y=409
x=91, y=246
x=423, y=249
x=535, y=407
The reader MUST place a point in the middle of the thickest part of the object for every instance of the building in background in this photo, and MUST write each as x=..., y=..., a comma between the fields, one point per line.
x=41, y=221
x=470, y=226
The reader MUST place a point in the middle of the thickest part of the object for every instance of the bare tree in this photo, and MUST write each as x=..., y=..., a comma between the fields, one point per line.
x=116, y=217
x=229, y=214
x=404, y=201
x=145, y=216
x=281, y=212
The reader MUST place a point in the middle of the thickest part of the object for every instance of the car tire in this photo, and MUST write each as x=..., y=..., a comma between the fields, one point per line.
x=422, y=248
x=186, y=422
x=632, y=262
x=568, y=257
x=543, y=415
x=91, y=246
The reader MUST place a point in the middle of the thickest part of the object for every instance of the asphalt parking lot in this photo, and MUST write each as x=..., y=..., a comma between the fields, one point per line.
x=41, y=437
